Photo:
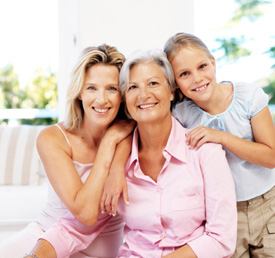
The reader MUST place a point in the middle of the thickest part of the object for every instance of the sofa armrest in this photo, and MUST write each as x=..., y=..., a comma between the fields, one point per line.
x=19, y=160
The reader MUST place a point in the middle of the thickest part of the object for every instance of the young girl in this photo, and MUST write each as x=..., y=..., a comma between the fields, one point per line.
x=235, y=115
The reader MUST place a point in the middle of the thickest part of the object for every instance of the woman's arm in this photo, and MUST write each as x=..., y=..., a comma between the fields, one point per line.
x=82, y=200
x=261, y=152
x=43, y=249
x=116, y=181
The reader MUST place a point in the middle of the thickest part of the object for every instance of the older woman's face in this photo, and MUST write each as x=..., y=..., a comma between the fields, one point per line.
x=147, y=95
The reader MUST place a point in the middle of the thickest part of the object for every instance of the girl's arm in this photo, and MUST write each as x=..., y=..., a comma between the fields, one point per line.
x=83, y=200
x=261, y=152
x=116, y=181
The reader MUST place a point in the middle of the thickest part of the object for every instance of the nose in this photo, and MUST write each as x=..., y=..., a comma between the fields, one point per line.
x=101, y=97
x=143, y=92
x=197, y=77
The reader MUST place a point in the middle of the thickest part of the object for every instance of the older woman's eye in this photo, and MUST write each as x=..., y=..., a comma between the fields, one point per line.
x=132, y=87
x=154, y=83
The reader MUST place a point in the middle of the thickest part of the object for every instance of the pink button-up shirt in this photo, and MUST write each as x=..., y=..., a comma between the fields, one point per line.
x=193, y=202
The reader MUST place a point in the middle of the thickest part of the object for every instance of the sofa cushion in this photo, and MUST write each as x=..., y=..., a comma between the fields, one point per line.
x=19, y=161
x=20, y=205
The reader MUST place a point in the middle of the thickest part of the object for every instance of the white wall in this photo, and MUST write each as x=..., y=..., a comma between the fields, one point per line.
x=126, y=24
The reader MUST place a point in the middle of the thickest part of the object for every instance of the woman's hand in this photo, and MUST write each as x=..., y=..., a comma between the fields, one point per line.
x=201, y=134
x=116, y=182
x=115, y=185
x=120, y=129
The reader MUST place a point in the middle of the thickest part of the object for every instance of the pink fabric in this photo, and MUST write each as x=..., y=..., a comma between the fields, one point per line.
x=193, y=202
x=108, y=231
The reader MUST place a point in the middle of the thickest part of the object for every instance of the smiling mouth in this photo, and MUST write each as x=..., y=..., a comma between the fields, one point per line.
x=201, y=88
x=147, y=106
x=101, y=110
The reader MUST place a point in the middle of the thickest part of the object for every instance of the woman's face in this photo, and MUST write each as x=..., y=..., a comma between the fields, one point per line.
x=194, y=73
x=147, y=95
x=100, y=94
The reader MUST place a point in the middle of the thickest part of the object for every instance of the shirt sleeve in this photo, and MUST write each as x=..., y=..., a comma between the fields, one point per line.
x=69, y=236
x=219, y=238
x=258, y=102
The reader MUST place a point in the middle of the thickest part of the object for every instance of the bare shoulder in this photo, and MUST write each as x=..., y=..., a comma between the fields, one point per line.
x=51, y=137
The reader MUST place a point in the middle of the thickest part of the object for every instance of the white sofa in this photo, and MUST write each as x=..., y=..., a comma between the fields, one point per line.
x=23, y=187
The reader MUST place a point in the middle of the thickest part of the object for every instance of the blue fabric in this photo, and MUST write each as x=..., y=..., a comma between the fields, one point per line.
x=250, y=180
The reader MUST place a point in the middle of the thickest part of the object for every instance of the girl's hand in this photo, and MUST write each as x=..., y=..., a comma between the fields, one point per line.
x=115, y=185
x=201, y=134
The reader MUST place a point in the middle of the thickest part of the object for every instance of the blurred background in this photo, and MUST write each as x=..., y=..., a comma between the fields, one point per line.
x=41, y=40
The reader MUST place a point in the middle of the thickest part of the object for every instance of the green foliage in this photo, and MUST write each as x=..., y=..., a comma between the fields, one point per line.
x=270, y=88
x=271, y=52
x=232, y=48
x=10, y=92
x=249, y=9
x=40, y=92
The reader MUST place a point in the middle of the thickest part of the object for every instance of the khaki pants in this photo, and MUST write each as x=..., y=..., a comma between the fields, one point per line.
x=256, y=227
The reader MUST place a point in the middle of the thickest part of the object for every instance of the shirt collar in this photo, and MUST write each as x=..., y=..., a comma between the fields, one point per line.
x=175, y=144
x=177, y=141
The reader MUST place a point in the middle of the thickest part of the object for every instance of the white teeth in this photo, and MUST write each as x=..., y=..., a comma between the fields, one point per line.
x=101, y=110
x=201, y=88
x=146, y=106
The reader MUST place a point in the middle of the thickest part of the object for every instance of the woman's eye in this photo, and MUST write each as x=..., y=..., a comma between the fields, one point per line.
x=91, y=88
x=112, y=88
x=153, y=83
x=203, y=66
x=132, y=87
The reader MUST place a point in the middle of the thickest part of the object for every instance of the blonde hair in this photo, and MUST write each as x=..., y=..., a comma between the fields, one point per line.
x=90, y=56
x=184, y=40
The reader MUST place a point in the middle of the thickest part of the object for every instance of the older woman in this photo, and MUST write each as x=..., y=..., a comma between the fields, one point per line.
x=182, y=201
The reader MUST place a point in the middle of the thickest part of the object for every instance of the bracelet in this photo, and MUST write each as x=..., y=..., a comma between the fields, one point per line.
x=30, y=254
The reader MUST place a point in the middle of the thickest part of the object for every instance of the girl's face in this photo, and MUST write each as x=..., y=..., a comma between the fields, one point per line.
x=100, y=94
x=147, y=95
x=194, y=73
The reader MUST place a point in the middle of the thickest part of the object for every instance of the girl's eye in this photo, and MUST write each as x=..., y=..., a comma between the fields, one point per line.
x=183, y=74
x=203, y=66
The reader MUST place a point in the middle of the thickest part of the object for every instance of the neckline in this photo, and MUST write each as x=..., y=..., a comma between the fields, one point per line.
x=228, y=108
x=84, y=164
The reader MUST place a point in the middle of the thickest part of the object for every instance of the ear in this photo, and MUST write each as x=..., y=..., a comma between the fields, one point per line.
x=172, y=95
